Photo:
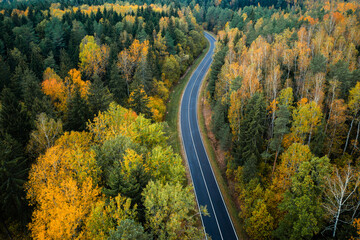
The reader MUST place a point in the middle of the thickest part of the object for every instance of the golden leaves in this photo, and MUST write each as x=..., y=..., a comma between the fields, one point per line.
x=62, y=186
x=93, y=57
x=61, y=91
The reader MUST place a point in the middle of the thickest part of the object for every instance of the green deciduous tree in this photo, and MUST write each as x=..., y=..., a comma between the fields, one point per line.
x=128, y=229
x=169, y=211
x=303, y=201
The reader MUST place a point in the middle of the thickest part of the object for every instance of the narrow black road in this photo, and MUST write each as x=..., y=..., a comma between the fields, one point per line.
x=218, y=225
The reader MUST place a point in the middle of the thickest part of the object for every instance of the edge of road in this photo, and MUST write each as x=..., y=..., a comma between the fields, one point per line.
x=218, y=177
x=180, y=146
x=221, y=182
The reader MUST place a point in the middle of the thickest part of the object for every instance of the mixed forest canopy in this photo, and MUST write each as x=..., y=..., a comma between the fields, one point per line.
x=285, y=88
x=83, y=93
x=84, y=151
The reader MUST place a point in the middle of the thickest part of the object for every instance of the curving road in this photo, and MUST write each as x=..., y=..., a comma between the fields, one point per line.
x=219, y=224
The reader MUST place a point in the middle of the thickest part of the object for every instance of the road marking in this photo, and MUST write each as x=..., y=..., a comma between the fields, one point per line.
x=183, y=146
x=196, y=152
x=197, y=122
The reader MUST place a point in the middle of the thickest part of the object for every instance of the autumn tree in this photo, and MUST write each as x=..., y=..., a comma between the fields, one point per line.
x=93, y=57
x=128, y=59
x=354, y=105
x=336, y=126
x=339, y=197
x=61, y=91
x=306, y=117
x=291, y=159
x=107, y=215
x=63, y=187
x=259, y=223
x=45, y=135
x=170, y=211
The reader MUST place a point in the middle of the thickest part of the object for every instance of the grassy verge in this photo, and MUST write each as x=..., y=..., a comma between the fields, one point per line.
x=219, y=175
x=173, y=106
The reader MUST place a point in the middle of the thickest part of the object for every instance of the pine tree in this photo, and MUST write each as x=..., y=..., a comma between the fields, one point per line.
x=143, y=76
x=13, y=174
x=138, y=102
x=78, y=113
x=117, y=84
x=99, y=97
x=219, y=60
x=280, y=129
x=130, y=185
x=250, y=146
x=14, y=119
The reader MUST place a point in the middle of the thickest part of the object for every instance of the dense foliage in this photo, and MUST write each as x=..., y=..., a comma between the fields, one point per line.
x=61, y=66
x=285, y=87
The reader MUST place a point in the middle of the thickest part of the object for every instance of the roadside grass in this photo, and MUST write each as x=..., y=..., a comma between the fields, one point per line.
x=172, y=115
x=219, y=175
x=173, y=105
x=172, y=119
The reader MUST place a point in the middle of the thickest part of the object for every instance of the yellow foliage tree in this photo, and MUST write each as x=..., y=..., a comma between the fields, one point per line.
x=306, y=117
x=63, y=188
x=93, y=57
x=157, y=107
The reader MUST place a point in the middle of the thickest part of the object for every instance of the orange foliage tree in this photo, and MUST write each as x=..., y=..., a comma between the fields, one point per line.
x=61, y=91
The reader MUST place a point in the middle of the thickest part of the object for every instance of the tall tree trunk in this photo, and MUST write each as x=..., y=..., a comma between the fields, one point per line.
x=348, y=135
x=309, y=138
x=276, y=156
x=356, y=139
x=331, y=106
x=332, y=140
x=337, y=218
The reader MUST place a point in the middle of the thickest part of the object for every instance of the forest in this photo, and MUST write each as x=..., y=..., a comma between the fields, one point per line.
x=84, y=150
x=285, y=94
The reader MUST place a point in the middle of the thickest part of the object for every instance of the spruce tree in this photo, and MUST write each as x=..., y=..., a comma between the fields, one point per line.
x=117, y=84
x=77, y=114
x=138, y=102
x=14, y=119
x=251, y=143
x=13, y=175
x=99, y=97
x=280, y=129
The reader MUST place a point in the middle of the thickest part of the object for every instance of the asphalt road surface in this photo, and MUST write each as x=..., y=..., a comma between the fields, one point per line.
x=219, y=224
